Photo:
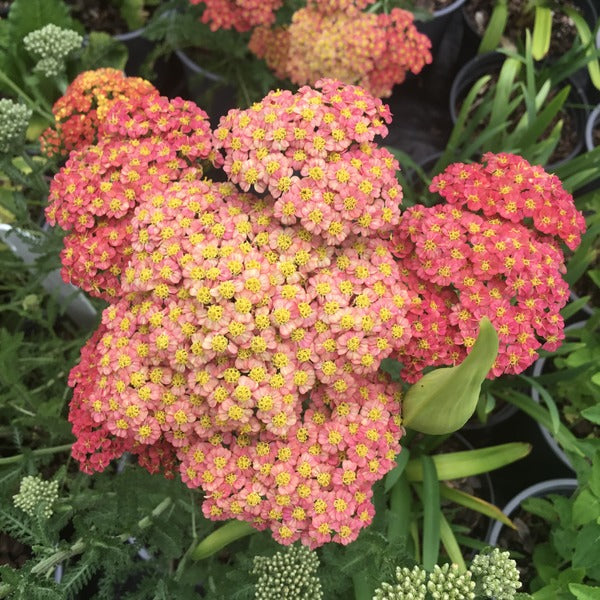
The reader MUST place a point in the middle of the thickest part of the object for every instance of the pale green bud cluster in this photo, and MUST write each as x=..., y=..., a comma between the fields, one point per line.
x=497, y=574
x=14, y=119
x=410, y=585
x=492, y=574
x=51, y=45
x=290, y=574
x=36, y=496
x=448, y=583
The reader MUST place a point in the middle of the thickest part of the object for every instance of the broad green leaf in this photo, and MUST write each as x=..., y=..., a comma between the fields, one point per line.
x=586, y=508
x=542, y=31
x=451, y=544
x=586, y=553
x=26, y=16
x=431, y=513
x=496, y=26
x=474, y=503
x=443, y=400
x=584, y=592
x=103, y=50
x=454, y=465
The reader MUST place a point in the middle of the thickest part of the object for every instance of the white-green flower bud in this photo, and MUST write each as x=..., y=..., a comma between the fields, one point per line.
x=497, y=574
x=448, y=583
x=51, y=45
x=288, y=575
x=31, y=303
x=410, y=586
x=14, y=119
x=36, y=496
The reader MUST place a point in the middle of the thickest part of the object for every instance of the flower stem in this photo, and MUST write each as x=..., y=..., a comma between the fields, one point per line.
x=28, y=100
x=231, y=531
x=8, y=460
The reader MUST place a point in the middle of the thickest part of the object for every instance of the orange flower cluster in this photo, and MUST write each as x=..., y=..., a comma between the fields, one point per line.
x=84, y=106
x=336, y=39
x=241, y=15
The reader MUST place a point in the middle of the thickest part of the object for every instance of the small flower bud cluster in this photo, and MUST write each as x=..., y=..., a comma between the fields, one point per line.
x=492, y=575
x=85, y=104
x=51, y=45
x=291, y=574
x=14, y=119
x=340, y=41
x=496, y=574
x=410, y=585
x=241, y=15
x=36, y=496
x=492, y=250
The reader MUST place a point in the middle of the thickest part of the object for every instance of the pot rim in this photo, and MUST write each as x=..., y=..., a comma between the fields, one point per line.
x=195, y=67
x=445, y=11
x=538, y=367
x=593, y=117
x=542, y=488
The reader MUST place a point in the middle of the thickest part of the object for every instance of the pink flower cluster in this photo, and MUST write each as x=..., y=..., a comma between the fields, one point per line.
x=247, y=351
x=241, y=15
x=144, y=144
x=493, y=250
x=84, y=106
x=241, y=347
x=313, y=152
x=337, y=39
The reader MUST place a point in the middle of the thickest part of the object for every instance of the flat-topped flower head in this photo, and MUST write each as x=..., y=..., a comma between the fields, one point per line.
x=486, y=253
x=144, y=145
x=248, y=350
x=313, y=152
x=85, y=104
x=336, y=39
x=241, y=15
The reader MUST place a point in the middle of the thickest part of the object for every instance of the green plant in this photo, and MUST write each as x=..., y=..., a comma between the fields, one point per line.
x=135, y=12
x=540, y=12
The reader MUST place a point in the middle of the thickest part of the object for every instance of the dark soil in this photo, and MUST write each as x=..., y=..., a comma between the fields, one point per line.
x=13, y=553
x=98, y=15
x=432, y=5
x=478, y=12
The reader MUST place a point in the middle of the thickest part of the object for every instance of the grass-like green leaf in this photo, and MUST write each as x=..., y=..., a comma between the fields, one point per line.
x=431, y=513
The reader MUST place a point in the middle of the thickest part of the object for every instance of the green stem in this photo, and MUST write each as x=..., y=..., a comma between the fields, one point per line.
x=52, y=561
x=28, y=100
x=362, y=589
x=40, y=183
x=228, y=533
x=8, y=460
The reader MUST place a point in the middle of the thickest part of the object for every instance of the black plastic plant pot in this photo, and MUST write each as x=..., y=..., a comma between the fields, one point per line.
x=564, y=487
x=490, y=63
x=538, y=369
x=592, y=123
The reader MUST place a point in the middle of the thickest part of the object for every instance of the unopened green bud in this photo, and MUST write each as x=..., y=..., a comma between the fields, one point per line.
x=496, y=574
x=290, y=574
x=410, y=586
x=51, y=45
x=30, y=303
x=36, y=496
x=14, y=119
x=448, y=583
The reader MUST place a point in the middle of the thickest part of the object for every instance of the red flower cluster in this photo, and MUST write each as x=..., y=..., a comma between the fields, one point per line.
x=491, y=251
x=144, y=145
x=241, y=15
x=313, y=151
x=247, y=352
x=85, y=104
x=336, y=39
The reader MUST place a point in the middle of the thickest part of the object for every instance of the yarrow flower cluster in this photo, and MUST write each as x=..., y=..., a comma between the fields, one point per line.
x=51, y=45
x=493, y=250
x=247, y=351
x=85, y=104
x=36, y=496
x=14, y=120
x=144, y=145
x=241, y=15
x=290, y=573
x=313, y=152
x=492, y=574
x=338, y=40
